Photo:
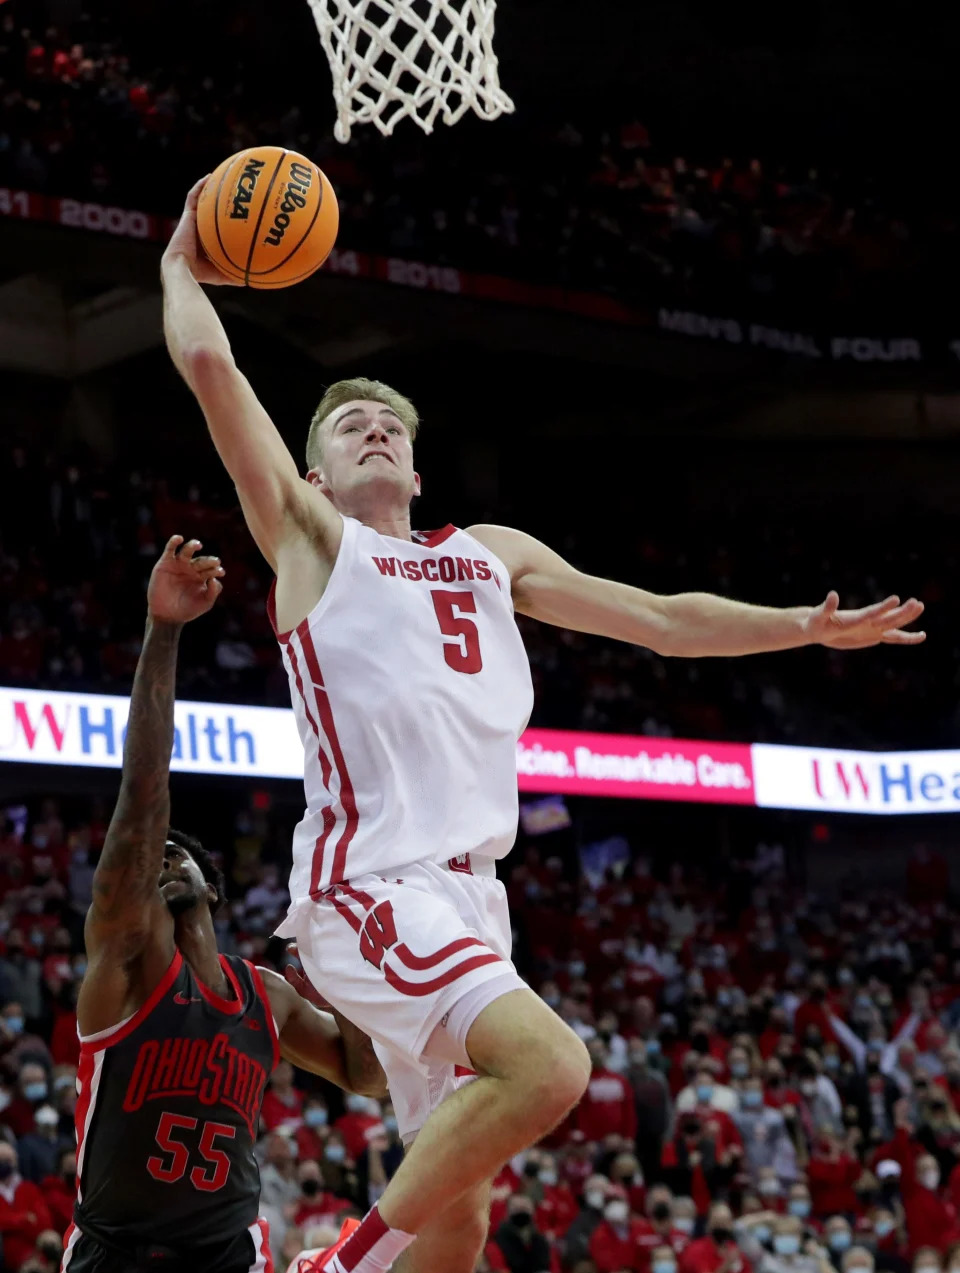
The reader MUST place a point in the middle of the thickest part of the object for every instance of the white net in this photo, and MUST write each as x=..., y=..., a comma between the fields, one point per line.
x=416, y=59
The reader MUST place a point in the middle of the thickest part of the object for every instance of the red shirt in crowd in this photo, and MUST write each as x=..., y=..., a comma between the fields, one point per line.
x=353, y=1128
x=649, y=1239
x=931, y=1219
x=324, y=1204
x=615, y=1249
x=60, y=1200
x=607, y=1107
x=704, y=1256
x=24, y=1215
x=831, y=1182
x=276, y=1112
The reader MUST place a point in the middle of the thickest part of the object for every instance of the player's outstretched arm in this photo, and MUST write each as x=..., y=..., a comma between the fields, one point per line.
x=691, y=624
x=126, y=899
x=277, y=502
x=322, y=1042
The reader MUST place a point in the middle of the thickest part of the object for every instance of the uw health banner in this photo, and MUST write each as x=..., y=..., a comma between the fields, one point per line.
x=87, y=730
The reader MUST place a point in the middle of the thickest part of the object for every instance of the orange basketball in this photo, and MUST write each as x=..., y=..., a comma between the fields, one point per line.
x=268, y=217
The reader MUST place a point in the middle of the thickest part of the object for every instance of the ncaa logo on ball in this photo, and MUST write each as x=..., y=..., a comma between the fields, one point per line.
x=294, y=198
x=246, y=184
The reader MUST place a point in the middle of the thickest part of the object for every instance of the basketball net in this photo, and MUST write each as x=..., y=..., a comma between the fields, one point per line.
x=416, y=59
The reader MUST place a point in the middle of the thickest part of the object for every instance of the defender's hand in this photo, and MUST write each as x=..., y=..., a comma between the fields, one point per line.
x=182, y=585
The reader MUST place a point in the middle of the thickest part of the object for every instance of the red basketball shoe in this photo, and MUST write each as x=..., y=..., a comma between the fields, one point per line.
x=318, y=1263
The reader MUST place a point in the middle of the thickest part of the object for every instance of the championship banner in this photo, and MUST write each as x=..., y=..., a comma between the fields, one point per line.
x=87, y=730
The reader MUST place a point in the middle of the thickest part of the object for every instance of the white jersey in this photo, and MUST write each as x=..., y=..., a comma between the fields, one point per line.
x=410, y=686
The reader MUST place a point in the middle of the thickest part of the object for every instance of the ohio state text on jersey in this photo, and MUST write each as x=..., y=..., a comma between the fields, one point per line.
x=167, y=1113
x=410, y=686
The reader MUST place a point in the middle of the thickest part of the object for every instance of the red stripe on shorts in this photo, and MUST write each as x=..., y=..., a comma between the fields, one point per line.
x=358, y=895
x=329, y=817
x=347, y=798
x=420, y=962
x=418, y=989
x=347, y=913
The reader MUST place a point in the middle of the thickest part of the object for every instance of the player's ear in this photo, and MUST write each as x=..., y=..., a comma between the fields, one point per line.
x=416, y=484
x=315, y=478
x=212, y=895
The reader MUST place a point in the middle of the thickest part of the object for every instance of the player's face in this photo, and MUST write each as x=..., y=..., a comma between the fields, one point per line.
x=182, y=885
x=366, y=447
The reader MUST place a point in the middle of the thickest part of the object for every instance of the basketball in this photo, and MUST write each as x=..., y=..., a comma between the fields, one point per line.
x=267, y=217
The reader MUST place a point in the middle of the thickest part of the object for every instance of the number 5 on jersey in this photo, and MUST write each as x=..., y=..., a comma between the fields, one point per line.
x=461, y=644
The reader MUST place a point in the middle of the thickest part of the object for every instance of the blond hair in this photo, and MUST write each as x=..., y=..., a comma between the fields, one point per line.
x=363, y=390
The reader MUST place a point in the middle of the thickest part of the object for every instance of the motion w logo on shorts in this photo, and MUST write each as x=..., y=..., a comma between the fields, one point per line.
x=381, y=946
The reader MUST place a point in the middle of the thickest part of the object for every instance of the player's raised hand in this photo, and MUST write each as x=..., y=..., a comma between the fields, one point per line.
x=182, y=585
x=185, y=243
x=880, y=624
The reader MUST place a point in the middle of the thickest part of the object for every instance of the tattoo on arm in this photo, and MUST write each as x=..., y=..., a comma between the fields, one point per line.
x=132, y=856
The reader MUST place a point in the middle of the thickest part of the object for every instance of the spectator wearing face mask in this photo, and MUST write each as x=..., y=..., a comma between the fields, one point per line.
x=837, y=1238
x=24, y=1213
x=820, y=1105
x=41, y=1148
x=927, y=1260
x=857, y=1260
x=17, y=1044
x=616, y=1243
x=939, y=1130
x=787, y=1254
x=706, y=1093
x=49, y=1248
x=362, y=1114
x=693, y=1165
x=314, y=1202
x=663, y=1259
x=763, y=1130
x=576, y=1244
x=890, y=1241
x=931, y=1217
x=717, y=1251
x=524, y=1249
x=33, y=1089
x=312, y=1132
x=832, y=1172
x=657, y=1229
x=607, y=1106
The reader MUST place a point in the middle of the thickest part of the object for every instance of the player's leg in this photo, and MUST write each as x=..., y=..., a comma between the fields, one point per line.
x=453, y=1239
x=532, y=1070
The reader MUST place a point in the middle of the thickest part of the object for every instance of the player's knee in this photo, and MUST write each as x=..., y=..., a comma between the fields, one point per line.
x=557, y=1076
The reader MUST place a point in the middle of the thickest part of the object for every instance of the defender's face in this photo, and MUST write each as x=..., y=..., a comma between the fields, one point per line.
x=181, y=881
x=366, y=444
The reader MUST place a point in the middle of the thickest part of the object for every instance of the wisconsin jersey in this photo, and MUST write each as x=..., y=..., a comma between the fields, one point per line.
x=167, y=1114
x=410, y=685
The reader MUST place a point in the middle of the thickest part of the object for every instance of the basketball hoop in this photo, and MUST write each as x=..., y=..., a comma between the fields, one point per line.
x=416, y=59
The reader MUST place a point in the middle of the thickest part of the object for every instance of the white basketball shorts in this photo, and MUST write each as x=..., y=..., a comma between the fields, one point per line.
x=395, y=955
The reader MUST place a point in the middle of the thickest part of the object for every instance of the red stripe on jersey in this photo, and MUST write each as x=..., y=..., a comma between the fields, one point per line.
x=230, y=1006
x=418, y=989
x=67, y=1248
x=166, y=981
x=464, y=1072
x=84, y=1096
x=347, y=913
x=264, y=999
x=419, y=962
x=433, y=538
x=358, y=895
x=329, y=817
x=347, y=798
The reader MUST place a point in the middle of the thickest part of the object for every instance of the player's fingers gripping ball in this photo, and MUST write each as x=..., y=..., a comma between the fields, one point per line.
x=267, y=217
